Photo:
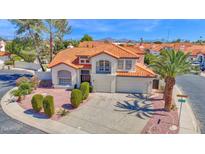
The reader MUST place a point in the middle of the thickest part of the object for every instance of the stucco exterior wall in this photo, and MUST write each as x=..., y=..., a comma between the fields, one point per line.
x=104, y=57
x=74, y=74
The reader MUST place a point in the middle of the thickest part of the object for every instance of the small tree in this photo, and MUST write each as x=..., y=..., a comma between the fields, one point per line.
x=86, y=37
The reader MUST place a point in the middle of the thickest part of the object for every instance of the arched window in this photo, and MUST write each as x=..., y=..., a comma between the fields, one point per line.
x=103, y=66
x=64, y=77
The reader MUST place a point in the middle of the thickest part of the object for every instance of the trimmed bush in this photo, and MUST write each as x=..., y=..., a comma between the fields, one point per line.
x=85, y=88
x=91, y=89
x=76, y=97
x=37, y=102
x=21, y=80
x=48, y=106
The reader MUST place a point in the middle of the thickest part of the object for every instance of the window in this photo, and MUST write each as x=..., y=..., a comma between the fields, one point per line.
x=128, y=64
x=84, y=60
x=124, y=64
x=103, y=66
x=64, y=77
x=120, y=64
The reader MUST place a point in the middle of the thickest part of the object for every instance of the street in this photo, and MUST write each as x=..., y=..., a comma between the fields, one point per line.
x=194, y=87
x=7, y=124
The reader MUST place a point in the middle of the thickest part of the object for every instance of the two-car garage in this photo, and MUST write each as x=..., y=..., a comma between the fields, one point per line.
x=110, y=83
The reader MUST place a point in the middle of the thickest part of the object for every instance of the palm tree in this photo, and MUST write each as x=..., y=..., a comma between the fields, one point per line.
x=169, y=65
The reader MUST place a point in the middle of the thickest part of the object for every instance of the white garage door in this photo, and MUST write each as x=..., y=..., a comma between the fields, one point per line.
x=132, y=84
x=102, y=84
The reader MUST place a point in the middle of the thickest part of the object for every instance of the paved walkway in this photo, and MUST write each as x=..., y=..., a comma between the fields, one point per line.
x=7, y=124
x=194, y=87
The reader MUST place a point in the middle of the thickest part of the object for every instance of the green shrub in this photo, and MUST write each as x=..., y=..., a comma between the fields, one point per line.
x=26, y=87
x=91, y=89
x=37, y=102
x=21, y=80
x=15, y=57
x=85, y=87
x=8, y=62
x=18, y=93
x=48, y=105
x=28, y=55
x=34, y=82
x=76, y=97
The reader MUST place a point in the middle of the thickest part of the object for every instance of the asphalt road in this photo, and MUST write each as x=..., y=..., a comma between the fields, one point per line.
x=7, y=124
x=194, y=87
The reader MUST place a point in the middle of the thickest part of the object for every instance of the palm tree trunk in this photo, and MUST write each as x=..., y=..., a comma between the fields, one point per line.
x=170, y=82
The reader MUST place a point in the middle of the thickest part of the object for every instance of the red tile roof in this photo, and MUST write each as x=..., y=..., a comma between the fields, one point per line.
x=3, y=53
x=70, y=57
x=141, y=71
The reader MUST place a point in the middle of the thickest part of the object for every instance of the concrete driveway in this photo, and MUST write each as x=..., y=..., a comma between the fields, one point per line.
x=7, y=124
x=110, y=113
x=194, y=86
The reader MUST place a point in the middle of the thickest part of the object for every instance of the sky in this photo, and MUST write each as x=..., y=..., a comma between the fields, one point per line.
x=133, y=29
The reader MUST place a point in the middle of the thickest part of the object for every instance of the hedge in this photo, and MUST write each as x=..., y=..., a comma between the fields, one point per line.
x=76, y=97
x=85, y=88
x=48, y=106
x=37, y=102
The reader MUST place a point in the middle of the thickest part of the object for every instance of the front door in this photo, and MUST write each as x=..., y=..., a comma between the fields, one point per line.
x=85, y=76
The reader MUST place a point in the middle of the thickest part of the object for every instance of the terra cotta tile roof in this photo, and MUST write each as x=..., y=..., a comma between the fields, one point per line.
x=141, y=71
x=3, y=53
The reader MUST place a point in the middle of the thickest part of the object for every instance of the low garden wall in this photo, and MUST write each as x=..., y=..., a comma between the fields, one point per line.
x=43, y=75
x=26, y=65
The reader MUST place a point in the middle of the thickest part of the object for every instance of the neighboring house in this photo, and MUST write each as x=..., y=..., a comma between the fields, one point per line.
x=3, y=55
x=2, y=45
x=106, y=66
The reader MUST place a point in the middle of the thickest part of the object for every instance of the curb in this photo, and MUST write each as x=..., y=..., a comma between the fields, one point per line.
x=46, y=125
x=188, y=123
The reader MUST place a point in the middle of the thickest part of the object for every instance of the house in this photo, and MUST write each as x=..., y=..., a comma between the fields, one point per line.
x=106, y=66
x=4, y=56
x=2, y=45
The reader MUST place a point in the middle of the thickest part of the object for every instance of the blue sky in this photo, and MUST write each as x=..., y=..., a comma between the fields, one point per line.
x=129, y=29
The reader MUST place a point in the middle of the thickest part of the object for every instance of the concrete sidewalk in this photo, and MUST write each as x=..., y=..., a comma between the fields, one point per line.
x=188, y=121
x=46, y=125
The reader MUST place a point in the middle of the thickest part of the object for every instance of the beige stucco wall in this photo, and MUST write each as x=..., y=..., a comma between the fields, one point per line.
x=74, y=74
x=134, y=84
